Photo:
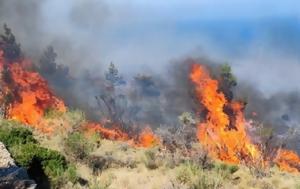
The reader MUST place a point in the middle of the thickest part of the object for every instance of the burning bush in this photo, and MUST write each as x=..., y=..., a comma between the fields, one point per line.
x=25, y=95
x=224, y=131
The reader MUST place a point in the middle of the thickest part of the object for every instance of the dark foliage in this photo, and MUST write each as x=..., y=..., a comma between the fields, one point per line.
x=11, y=49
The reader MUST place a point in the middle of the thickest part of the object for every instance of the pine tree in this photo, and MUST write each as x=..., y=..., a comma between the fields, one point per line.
x=47, y=61
x=114, y=103
x=11, y=49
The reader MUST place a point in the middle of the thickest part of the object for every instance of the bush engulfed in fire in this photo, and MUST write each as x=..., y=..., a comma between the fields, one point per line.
x=227, y=140
x=25, y=94
x=26, y=97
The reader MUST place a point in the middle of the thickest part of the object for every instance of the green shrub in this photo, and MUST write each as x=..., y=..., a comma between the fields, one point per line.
x=187, y=173
x=16, y=136
x=225, y=170
x=77, y=146
x=150, y=160
x=71, y=174
x=184, y=175
x=76, y=118
x=233, y=168
x=205, y=181
x=195, y=177
x=26, y=151
x=54, y=164
x=54, y=167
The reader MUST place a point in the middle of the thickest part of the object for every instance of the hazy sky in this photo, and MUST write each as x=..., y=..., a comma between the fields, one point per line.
x=143, y=35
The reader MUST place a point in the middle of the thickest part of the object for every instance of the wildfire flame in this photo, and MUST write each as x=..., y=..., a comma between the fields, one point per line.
x=224, y=134
x=112, y=134
x=288, y=161
x=225, y=139
x=31, y=96
x=145, y=139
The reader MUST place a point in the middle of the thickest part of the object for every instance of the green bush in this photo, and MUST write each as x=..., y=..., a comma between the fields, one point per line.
x=77, y=146
x=233, y=168
x=184, y=175
x=187, y=173
x=194, y=177
x=16, y=136
x=205, y=181
x=26, y=151
x=226, y=167
x=53, y=163
x=225, y=170
x=150, y=160
x=71, y=174
x=76, y=118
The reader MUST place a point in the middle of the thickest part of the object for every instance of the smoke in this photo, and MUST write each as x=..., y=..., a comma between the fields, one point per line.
x=25, y=20
x=157, y=43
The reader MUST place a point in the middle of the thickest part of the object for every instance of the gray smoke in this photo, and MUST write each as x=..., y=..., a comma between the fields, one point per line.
x=88, y=34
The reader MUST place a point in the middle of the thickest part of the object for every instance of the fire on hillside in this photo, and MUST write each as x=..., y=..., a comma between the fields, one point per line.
x=225, y=134
x=26, y=97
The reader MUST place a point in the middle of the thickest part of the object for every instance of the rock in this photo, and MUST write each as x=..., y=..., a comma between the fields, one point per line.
x=5, y=159
x=12, y=176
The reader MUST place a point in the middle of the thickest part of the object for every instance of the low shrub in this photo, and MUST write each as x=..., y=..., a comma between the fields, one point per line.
x=77, y=146
x=16, y=136
x=71, y=174
x=150, y=160
x=53, y=163
x=195, y=177
x=205, y=181
x=187, y=173
x=98, y=163
x=75, y=118
x=27, y=153
x=225, y=170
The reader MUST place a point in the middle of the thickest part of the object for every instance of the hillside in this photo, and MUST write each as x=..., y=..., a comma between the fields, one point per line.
x=76, y=112
x=117, y=164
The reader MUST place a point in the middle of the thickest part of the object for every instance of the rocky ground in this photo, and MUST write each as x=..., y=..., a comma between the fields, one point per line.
x=12, y=176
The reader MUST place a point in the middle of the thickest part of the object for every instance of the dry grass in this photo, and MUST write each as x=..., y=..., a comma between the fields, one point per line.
x=166, y=175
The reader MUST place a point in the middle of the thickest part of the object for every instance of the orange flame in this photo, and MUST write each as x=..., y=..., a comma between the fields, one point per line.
x=112, y=134
x=147, y=138
x=32, y=96
x=225, y=135
x=288, y=160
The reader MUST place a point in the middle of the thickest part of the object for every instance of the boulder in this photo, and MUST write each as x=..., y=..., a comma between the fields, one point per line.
x=12, y=176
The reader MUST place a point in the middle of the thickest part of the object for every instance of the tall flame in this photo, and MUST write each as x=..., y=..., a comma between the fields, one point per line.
x=225, y=135
x=31, y=94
